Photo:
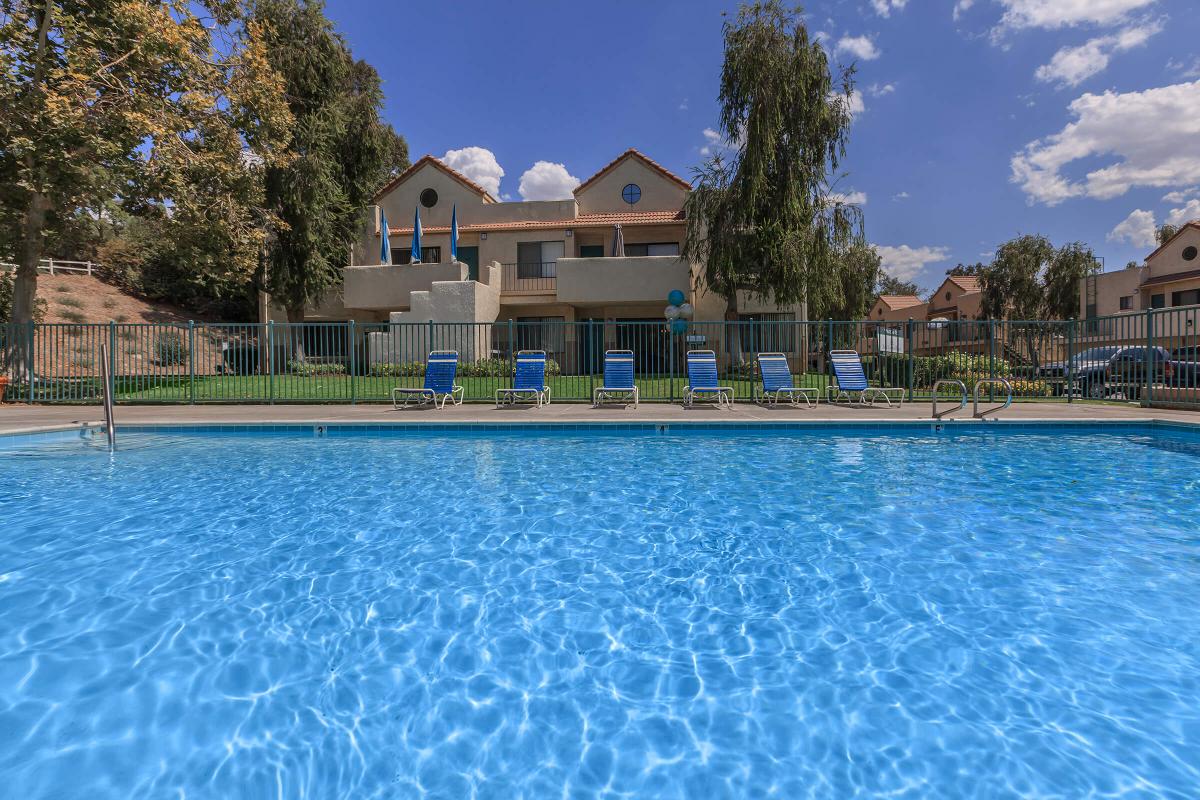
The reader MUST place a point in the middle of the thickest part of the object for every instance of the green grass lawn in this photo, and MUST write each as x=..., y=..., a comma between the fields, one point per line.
x=366, y=388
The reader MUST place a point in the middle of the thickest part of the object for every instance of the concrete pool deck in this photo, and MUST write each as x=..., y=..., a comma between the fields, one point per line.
x=22, y=418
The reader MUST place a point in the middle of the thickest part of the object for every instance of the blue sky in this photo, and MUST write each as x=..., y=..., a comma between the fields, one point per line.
x=980, y=120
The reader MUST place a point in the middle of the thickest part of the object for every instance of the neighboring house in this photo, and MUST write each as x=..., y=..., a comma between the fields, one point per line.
x=959, y=297
x=1169, y=278
x=897, y=308
x=531, y=261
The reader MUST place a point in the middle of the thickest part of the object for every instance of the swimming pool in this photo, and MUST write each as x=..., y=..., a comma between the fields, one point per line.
x=803, y=613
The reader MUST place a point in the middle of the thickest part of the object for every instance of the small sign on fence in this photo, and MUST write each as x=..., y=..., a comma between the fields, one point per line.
x=696, y=338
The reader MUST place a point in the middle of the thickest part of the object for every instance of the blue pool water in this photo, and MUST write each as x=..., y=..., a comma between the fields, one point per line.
x=804, y=614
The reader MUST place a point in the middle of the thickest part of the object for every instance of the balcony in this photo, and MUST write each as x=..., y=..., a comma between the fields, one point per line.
x=388, y=287
x=528, y=278
x=633, y=279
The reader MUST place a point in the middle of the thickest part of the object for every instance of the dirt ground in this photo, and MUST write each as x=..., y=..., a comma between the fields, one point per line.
x=80, y=298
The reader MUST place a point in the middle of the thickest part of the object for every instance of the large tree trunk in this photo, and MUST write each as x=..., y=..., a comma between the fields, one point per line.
x=295, y=316
x=25, y=285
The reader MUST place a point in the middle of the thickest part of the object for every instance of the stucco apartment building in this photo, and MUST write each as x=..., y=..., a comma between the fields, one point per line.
x=533, y=261
x=958, y=298
x=1170, y=277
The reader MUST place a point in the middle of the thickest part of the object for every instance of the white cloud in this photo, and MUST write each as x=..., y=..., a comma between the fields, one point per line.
x=1182, y=195
x=479, y=164
x=1137, y=229
x=852, y=197
x=885, y=7
x=961, y=7
x=905, y=262
x=901, y=196
x=546, y=180
x=880, y=89
x=1149, y=138
x=683, y=105
x=1064, y=13
x=1187, y=70
x=715, y=143
x=1186, y=213
x=861, y=47
x=1070, y=66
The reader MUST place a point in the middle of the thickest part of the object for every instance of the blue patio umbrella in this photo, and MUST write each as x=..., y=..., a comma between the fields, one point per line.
x=454, y=233
x=385, y=245
x=416, y=243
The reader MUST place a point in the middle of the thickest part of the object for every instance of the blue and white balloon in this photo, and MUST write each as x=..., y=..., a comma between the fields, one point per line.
x=676, y=297
x=671, y=312
x=686, y=310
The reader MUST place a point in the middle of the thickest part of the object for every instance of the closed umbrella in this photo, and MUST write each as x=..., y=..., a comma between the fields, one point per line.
x=385, y=246
x=454, y=233
x=618, y=248
x=416, y=243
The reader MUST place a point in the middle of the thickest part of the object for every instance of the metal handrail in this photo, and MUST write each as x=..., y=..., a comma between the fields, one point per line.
x=106, y=396
x=963, y=404
x=990, y=382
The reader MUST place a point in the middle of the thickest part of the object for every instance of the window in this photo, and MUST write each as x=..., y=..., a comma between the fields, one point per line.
x=1191, y=297
x=538, y=259
x=429, y=255
x=541, y=333
x=429, y=198
x=631, y=193
x=1189, y=253
x=947, y=295
x=1158, y=301
x=591, y=251
x=652, y=249
x=1127, y=303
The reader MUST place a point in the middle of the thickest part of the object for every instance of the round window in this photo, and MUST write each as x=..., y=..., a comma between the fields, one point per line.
x=429, y=198
x=1189, y=253
x=631, y=193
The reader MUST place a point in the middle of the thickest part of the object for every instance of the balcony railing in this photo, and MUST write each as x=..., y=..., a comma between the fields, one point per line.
x=528, y=277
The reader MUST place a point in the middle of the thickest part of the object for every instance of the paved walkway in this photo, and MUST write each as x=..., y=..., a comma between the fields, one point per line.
x=15, y=418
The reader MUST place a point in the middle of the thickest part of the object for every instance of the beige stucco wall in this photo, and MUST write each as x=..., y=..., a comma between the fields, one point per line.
x=1169, y=260
x=880, y=312
x=658, y=193
x=620, y=280
x=1110, y=288
x=389, y=288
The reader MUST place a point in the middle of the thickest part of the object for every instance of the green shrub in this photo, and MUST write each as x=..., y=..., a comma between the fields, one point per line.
x=74, y=316
x=70, y=302
x=170, y=349
x=313, y=369
x=1028, y=388
x=408, y=369
x=927, y=370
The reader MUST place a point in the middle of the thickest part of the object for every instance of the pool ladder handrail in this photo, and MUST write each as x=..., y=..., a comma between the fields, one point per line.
x=962, y=403
x=991, y=382
x=106, y=397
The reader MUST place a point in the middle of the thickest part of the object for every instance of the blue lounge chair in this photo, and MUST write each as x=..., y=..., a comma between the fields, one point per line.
x=702, y=378
x=850, y=380
x=777, y=382
x=440, y=371
x=529, y=383
x=618, y=379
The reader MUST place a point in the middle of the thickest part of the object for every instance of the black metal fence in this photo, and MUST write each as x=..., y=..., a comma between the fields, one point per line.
x=1151, y=357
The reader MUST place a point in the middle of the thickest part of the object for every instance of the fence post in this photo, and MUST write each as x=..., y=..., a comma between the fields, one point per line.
x=112, y=353
x=29, y=360
x=353, y=360
x=191, y=362
x=1070, y=359
x=1151, y=361
x=908, y=367
x=671, y=362
x=50, y=261
x=511, y=348
x=271, y=361
x=89, y=268
x=430, y=348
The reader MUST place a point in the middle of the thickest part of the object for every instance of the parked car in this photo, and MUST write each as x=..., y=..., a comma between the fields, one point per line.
x=1057, y=373
x=1185, y=363
x=1123, y=375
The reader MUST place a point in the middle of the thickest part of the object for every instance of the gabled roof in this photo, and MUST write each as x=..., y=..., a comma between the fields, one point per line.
x=898, y=301
x=968, y=283
x=633, y=153
x=1193, y=224
x=581, y=221
x=439, y=164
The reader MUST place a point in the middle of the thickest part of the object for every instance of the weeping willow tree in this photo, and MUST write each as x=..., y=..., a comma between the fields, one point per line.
x=763, y=219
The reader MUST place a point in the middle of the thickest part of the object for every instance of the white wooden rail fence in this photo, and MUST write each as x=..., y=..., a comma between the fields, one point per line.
x=55, y=266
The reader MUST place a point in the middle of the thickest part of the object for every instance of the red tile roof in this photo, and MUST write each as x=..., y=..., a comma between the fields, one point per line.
x=436, y=162
x=582, y=221
x=633, y=153
x=899, y=301
x=1172, y=277
x=968, y=283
